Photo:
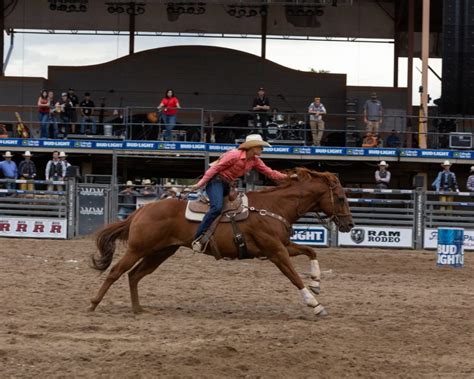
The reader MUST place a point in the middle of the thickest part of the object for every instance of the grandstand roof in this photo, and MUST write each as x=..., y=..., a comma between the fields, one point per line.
x=351, y=19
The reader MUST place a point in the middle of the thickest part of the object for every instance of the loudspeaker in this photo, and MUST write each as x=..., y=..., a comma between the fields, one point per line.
x=458, y=57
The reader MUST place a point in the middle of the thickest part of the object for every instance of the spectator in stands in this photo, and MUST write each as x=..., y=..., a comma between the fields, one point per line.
x=9, y=169
x=169, y=106
x=75, y=102
x=66, y=113
x=446, y=182
x=169, y=191
x=27, y=171
x=373, y=114
x=148, y=190
x=316, y=110
x=382, y=176
x=261, y=106
x=393, y=140
x=43, y=113
x=55, y=171
x=470, y=180
x=87, y=113
x=127, y=200
x=53, y=116
x=64, y=162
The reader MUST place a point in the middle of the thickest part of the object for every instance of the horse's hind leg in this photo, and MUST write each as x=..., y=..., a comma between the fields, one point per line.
x=280, y=257
x=122, y=266
x=147, y=265
x=315, y=272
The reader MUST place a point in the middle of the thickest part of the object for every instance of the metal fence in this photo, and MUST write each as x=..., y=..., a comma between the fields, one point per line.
x=383, y=218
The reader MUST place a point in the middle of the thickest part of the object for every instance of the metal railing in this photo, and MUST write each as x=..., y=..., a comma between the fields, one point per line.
x=231, y=126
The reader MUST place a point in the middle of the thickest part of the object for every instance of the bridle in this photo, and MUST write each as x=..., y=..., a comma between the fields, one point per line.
x=326, y=221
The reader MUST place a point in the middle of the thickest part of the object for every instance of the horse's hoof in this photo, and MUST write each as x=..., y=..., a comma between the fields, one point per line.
x=91, y=308
x=316, y=290
x=322, y=313
x=138, y=310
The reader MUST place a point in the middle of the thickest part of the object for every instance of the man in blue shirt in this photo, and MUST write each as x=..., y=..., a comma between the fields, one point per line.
x=9, y=169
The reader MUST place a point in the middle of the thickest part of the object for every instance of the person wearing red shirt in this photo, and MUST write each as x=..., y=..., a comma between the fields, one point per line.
x=169, y=106
x=230, y=166
x=43, y=113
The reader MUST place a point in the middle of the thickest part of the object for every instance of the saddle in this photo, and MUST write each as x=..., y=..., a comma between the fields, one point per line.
x=196, y=209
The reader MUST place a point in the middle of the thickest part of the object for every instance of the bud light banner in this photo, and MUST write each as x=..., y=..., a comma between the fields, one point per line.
x=310, y=235
x=373, y=236
x=91, y=207
x=430, y=240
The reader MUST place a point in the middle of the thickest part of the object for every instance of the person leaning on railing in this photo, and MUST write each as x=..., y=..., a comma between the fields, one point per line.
x=9, y=169
x=27, y=171
x=446, y=182
x=55, y=171
x=128, y=200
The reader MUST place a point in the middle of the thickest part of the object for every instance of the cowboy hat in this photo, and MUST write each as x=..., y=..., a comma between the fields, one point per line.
x=62, y=154
x=383, y=163
x=168, y=185
x=446, y=163
x=129, y=183
x=146, y=181
x=8, y=155
x=472, y=168
x=253, y=140
x=27, y=154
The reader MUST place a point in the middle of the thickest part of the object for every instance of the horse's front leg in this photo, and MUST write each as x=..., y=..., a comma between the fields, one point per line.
x=278, y=254
x=315, y=272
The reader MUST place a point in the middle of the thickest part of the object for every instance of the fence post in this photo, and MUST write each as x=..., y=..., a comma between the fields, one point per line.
x=419, y=217
x=71, y=207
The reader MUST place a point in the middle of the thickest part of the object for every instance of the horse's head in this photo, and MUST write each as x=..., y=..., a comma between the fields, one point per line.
x=330, y=197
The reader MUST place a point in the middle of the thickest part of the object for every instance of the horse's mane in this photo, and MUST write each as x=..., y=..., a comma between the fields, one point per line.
x=304, y=175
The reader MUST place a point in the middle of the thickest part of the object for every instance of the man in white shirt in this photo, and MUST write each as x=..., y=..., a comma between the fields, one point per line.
x=316, y=110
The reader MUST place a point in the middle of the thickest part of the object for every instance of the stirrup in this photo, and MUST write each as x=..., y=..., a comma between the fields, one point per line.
x=197, y=245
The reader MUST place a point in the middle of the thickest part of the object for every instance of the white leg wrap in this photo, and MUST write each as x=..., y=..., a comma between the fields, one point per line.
x=308, y=298
x=315, y=271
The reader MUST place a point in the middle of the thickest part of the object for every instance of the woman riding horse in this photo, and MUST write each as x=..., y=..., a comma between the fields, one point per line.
x=230, y=166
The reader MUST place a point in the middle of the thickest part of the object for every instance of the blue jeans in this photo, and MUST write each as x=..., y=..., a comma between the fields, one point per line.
x=43, y=119
x=216, y=189
x=170, y=122
x=65, y=120
x=52, y=126
x=88, y=120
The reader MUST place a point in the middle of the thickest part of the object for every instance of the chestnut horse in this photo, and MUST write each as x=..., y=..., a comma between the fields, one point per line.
x=155, y=232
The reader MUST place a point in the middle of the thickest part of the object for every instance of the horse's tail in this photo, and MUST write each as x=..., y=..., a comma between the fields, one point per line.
x=105, y=241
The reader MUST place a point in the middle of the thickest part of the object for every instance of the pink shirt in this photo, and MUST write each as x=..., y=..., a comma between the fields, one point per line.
x=233, y=164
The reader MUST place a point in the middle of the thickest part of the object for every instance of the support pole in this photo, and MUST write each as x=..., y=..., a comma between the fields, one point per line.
x=264, y=11
x=131, y=48
x=2, y=31
x=425, y=51
x=411, y=34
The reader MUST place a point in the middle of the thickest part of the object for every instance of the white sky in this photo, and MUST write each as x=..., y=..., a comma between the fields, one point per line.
x=364, y=63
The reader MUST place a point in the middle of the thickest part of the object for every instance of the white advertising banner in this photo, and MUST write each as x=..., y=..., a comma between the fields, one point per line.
x=310, y=235
x=33, y=227
x=377, y=236
x=430, y=239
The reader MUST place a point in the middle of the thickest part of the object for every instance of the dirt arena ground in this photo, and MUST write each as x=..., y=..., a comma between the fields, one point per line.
x=392, y=314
